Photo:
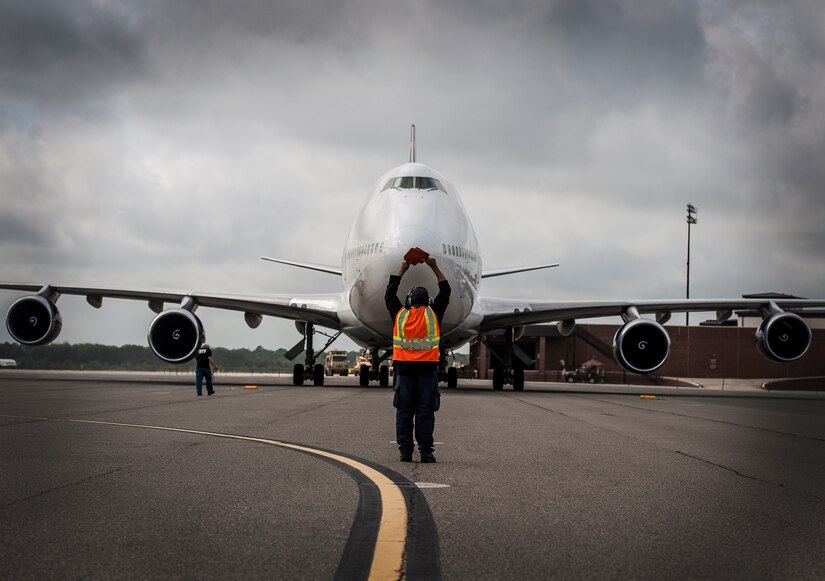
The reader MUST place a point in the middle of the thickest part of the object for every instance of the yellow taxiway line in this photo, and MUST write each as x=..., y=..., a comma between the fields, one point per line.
x=391, y=542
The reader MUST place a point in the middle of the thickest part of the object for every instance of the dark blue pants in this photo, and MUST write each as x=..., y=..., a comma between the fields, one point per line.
x=414, y=410
x=200, y=375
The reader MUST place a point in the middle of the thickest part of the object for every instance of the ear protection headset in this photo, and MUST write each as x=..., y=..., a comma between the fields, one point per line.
x=408, y=300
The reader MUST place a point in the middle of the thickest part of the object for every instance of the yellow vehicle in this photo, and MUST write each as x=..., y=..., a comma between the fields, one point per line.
x=336, y=363
x=362, y=362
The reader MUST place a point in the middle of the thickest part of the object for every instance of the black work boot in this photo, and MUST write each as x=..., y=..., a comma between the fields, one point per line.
x=406, y=456
x=427, y=458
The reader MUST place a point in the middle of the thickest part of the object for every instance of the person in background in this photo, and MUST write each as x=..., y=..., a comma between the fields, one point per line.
x=204, y=366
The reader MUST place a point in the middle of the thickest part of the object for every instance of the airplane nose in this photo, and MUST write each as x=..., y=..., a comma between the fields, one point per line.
x=397, y=245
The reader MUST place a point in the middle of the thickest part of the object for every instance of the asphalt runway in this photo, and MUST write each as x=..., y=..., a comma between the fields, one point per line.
x=128, y=477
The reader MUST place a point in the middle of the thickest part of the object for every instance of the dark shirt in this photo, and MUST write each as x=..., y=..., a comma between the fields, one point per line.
x=394, y=305
x=202, y=358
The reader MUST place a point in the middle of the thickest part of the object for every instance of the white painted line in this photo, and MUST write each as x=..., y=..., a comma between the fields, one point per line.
x=431, y=485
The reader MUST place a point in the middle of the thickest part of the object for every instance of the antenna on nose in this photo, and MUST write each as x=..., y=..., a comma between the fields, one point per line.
x=412, y=143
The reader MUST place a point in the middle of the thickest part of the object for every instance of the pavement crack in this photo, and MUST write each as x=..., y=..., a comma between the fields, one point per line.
x=747, y=476
x=541, y=407
x=67, y=485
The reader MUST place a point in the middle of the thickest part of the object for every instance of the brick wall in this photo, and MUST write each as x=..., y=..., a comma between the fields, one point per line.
x=695, y=352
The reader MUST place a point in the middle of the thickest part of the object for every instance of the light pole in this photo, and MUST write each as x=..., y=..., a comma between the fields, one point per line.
x=691, y=219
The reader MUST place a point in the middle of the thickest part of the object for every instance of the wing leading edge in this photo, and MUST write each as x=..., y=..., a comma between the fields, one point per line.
x=319, y=309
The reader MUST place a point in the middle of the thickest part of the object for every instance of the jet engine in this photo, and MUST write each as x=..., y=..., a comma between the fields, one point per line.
x=783, y=337
x=175, y=335
x=641, y=346
x=34, y=320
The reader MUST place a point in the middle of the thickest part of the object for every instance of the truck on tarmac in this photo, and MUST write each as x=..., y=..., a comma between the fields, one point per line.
x=591, y=371
x=336, y=363
x=8, y=363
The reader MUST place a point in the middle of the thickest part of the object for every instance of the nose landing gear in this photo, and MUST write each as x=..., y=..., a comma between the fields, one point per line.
x=375, y=371
x=309, y=370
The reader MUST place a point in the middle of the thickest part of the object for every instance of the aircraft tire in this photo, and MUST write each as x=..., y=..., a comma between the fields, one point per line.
x=364, y=376
x=518, y=380
x=384, y=376
x=318, y=374
x=452, y=378
x=298, y=374
x=498, y=379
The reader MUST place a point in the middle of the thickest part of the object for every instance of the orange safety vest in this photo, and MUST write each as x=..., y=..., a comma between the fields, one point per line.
x=415, y=335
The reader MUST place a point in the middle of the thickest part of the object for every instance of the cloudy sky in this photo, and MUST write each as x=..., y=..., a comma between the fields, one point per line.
x=172, y=143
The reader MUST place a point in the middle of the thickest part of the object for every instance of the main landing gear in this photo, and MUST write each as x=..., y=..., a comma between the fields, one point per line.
x=366, y=373
x=309, y=369
x=375, y=371
x=448, y=375
x=508, y=372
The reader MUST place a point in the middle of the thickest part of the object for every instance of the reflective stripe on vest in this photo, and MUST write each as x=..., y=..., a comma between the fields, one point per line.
x=416, y=335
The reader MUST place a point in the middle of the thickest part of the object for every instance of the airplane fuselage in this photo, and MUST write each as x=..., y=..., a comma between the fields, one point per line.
x=410, y=206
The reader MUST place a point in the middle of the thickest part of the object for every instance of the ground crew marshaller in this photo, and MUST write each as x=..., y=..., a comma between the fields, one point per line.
x=416, y=335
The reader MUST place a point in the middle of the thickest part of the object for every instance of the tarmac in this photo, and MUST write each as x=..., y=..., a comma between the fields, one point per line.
x=131, y=476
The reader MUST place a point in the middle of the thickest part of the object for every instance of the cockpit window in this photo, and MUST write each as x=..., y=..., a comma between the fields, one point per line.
x=414, y=183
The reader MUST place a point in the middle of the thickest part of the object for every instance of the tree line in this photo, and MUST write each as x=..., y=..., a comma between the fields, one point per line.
x=93, y=356
x=138, y=358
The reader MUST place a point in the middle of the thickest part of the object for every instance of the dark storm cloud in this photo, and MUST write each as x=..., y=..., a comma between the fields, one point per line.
x=636, y=46
x=62, y=52
x=15, y=230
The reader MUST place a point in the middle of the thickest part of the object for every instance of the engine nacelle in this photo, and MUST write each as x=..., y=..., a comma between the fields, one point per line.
x=34, y=320
x=641, y=346
x=175, y=335
x=783, y=337
x=566, y=328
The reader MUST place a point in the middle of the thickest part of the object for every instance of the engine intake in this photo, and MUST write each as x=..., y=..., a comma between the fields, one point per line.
x=783, y=337
x=175, y=335
x=641, y=346
x=34, y=320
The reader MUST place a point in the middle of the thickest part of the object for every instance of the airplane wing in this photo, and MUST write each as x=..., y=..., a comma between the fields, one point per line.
x=501, y=313
x=505, y=271
x=308, y=265
x=319, y=309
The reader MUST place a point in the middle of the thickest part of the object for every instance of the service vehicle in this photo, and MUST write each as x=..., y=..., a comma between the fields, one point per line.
x=336, y=363
x=590, y=372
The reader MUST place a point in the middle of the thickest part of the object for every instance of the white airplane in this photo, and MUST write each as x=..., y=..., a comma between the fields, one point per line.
x=411, y=206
